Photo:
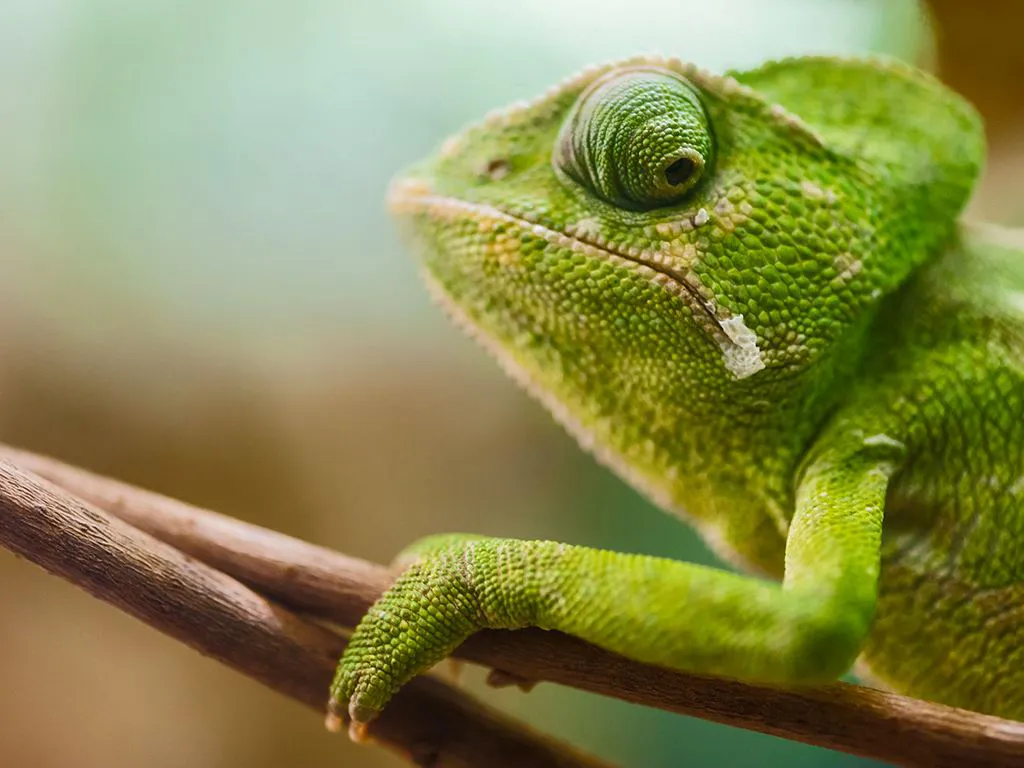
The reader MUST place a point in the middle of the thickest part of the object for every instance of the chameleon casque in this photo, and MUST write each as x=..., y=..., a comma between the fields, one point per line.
x=752, y=297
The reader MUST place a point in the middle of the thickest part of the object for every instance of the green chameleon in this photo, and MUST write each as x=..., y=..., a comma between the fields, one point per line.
x=750, y=296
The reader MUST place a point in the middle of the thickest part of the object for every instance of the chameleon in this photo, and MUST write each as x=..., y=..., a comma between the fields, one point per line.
x=753, y=296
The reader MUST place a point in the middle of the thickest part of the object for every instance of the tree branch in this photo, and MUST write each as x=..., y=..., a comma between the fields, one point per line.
x=431, y=724
x=862, y=721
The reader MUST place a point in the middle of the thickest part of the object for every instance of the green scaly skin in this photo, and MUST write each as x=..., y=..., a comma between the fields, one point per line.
x=751, y=296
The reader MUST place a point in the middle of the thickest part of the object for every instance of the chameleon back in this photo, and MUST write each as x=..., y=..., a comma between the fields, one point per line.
x=950, y=360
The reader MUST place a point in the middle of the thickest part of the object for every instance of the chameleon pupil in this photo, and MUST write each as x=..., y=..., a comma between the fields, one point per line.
x=638, y=138
x=679, y=171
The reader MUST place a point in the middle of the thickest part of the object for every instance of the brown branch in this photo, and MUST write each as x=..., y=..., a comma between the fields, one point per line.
x=863, y=721
x=429, y=723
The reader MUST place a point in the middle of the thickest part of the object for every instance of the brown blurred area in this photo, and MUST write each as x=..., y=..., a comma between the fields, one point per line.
x=318, y=462
x=341, y=449
x=981, y=56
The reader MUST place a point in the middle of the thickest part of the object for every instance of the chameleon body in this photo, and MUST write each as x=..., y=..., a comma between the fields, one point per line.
x=751, y=296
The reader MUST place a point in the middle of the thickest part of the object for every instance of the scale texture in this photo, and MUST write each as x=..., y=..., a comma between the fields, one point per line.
x=752, y=296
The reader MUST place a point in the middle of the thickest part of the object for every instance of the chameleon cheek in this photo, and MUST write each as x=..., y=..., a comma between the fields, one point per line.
x=638, y=138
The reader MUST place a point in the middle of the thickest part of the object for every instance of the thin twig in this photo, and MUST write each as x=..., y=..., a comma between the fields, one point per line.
x=431, y=723
x=863, y=721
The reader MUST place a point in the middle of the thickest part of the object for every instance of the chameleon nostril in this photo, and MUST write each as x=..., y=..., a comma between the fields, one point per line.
x=497, y=169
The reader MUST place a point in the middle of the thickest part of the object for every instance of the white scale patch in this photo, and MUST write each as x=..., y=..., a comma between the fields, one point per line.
x=742, y=356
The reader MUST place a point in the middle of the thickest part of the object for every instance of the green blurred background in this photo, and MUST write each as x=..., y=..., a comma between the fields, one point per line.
x=200, y=292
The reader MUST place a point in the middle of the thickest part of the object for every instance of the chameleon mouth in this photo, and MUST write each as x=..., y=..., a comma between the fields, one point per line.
x=413, y=195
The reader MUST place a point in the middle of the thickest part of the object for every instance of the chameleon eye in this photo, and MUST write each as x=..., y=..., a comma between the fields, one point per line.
x=638, y=138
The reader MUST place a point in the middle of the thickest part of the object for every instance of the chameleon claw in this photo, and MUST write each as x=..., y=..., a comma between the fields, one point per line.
x=357, y=727
x=359, y=717
x=358, y=721
x=333, y=723
x=333, y=720
x=357, y=732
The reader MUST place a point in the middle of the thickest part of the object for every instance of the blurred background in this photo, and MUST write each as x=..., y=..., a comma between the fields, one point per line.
x=200, y=293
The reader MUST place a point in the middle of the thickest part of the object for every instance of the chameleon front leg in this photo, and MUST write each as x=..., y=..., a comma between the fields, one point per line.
x=674, y=614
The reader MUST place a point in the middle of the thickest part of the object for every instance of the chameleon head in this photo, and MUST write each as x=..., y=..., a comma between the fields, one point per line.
x=670, y=259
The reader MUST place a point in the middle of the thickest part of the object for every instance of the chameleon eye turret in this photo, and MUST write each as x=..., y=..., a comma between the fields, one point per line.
x=639, y=138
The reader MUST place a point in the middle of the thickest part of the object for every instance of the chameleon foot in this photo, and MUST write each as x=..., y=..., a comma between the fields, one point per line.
x=332, y=720
x=418, y=622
